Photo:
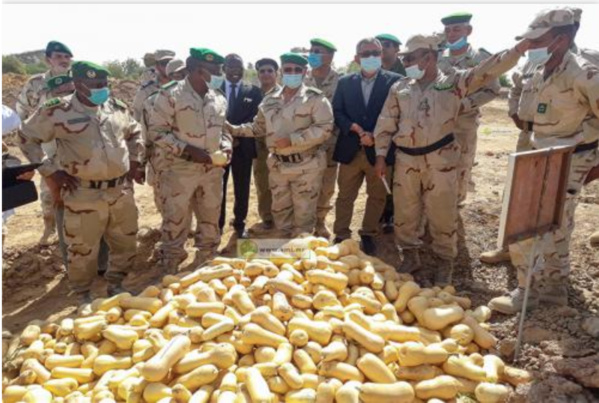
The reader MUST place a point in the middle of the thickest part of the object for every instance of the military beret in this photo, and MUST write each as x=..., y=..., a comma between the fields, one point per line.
x=55, y=46
x=546, y=20
x=294, y=58
x=163, y=54
x=267, y=62
x=323, y=43
x=456, y=18
x=388, y=37
x=56, y=81
x=206, y=55
x=82, y=69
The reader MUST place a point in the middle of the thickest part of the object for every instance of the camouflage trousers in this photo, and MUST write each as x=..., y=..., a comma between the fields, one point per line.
x=261, y=181
x=553, y=252
x=351, y=177
x=295, y=190
x=327, y=190
x=181, y=186
x=466, y=136
x=422, y=190
x=48, y=209
x=89, y=215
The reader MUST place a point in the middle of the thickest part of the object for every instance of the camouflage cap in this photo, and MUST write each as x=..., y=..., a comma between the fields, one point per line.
x=546, y=20
x=88, y=70
x=577, y=13
x=56, y=81
x=323, y=43
x=206, y=55
x=163, y=54
x=149, y=59
x=174, y=66
x=416, y=42
x=388, y=37
x=294, y=58
x=55, y=46
x=457, y=18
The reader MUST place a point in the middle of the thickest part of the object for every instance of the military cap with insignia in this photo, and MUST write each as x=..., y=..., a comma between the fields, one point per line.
x=457, y=18
x=267, y=62
x=206, y=55
x=294, y=58
x=88, y=70
x=57, y=81
x=323, y=43
x=388, y=37
x=55, y=46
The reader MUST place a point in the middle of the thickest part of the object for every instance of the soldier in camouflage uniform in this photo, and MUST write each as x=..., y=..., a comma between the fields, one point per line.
x=419, y=116
x=34, y=94
x=98, y=144
x=162, y=58
x=149, y=73
x=296, y=121
x=564, y=93
x=187, y=123
x=460, y=55
x=325, y=78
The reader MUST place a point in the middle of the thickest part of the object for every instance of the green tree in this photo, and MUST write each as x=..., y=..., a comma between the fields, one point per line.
x=36, y=68
x=504, y=81
x=115, y=68
x=132, y=68
x=10, y=64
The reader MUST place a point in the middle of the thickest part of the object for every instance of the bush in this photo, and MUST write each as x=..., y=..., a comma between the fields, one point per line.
x=37, y=68
x=10, y=64
x=504, y=81
x=130, y=68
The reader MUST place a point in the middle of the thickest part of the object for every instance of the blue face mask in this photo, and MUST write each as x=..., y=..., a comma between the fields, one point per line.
x=538, y=56
x=414, y=72
x=98, y=95
x=216, y=81
x=371, y=64
x=292, y=80
x=459, y=44
x=315, y=60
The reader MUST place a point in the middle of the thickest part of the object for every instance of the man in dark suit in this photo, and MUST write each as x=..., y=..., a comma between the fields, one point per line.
x=242, y=100
x=357, y=103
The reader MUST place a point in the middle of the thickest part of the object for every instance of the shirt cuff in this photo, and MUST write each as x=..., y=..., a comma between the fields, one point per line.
x=296, y=139
x=47, y=168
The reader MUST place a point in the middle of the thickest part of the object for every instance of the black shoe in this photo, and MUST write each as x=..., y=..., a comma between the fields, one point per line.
x=368, y=245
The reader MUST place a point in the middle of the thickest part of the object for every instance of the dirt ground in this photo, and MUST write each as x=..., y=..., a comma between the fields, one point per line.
x=561, y=344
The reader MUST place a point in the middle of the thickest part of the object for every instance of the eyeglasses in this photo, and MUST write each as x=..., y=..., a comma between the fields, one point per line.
x=371, y=53
x=319, y=51
x=388, y=44
x=265, y=71
x=289, y=70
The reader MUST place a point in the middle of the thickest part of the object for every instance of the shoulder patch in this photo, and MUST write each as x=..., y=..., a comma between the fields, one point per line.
x=120, y=104
x=313, y=90
x=169, y=85
x=52, y=102
x=443, y=87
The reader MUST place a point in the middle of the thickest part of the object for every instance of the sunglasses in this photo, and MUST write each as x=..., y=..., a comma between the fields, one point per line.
x=371, y=53
x=387, y=44
x=319, y=51
x=265, y=71
x=290, y=70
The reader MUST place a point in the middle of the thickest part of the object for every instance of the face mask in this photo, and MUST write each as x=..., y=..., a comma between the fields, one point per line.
x=98, y=96
x=315, y=60
x=538, y=56
x=292, y=80
x=414, y=72
x=370, y=64
x=216, y=81
x=459, y=44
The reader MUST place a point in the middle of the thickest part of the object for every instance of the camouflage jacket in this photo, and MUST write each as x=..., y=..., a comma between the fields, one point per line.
x=142, y=94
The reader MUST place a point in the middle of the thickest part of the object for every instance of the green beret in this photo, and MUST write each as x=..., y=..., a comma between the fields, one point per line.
x=56, y=81
x=456, y=18
x=206, y=55
x=388, y=37
x=323, y=43
x=82, y=69
x=294, y=58
x=55, y=46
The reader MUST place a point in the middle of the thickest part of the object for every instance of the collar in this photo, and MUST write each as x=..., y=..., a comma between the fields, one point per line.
x=278, y=93
x=371, y=79
x=188, y=88
x=468, y=54
x=229, y=84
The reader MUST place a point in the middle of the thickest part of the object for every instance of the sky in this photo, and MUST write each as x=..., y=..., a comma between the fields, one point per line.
x=103, y=32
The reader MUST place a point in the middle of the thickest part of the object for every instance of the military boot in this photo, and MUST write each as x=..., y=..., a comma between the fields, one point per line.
x=443, y=272
x=495, y=256
x=595, y=239
x=114, y=289
x=556, y=294
x=321, y=229
x=411, y=261
x=512, y=303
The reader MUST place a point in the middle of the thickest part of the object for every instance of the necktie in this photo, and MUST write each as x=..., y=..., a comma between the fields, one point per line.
x=232, y=98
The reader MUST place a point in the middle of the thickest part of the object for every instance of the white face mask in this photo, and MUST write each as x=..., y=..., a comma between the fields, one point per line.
x=414, y=72
x=538, y=56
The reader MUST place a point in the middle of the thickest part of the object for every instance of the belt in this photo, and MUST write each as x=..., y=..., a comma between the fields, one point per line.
x=586, y=147
x=416, y=151
x=107, y=184
x=295, y=158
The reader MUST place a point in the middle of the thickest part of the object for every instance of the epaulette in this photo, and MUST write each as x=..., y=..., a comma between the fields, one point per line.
x=169, y=85
x=52, y=102
x=313, y=90
x=146, y=85
x=443, y=87
x=119, y=104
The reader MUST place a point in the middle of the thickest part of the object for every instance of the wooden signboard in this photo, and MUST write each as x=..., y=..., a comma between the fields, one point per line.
x=535, y=193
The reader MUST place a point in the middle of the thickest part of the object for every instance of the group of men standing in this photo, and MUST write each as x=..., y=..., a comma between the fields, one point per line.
x=407, y=119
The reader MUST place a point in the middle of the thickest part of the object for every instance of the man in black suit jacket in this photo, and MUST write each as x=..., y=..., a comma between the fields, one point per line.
x=357, y=104
x=243, y=100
